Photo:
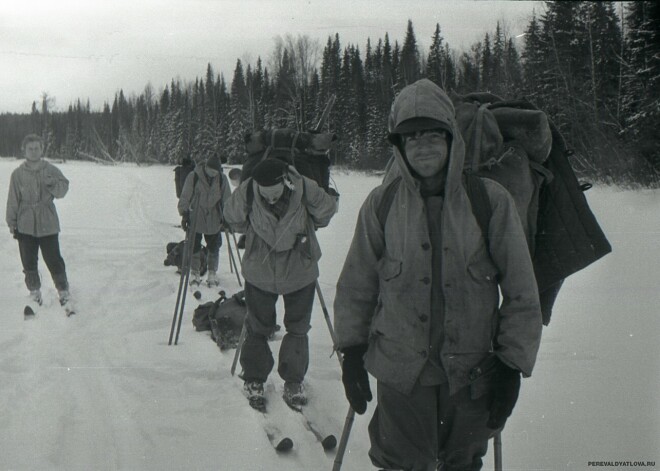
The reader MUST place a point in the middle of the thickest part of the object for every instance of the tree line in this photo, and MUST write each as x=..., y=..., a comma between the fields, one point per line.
x=595, y=71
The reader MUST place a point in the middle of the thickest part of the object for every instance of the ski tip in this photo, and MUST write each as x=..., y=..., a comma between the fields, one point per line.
x=329, y=442
x=28, y=311
x=70, y=313
x=285, y=444
x=197, y=294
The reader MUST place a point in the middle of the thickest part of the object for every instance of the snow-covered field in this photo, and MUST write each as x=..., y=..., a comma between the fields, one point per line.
x=102, y=390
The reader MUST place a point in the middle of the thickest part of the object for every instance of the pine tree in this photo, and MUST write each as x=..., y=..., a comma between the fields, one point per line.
x=238, y=115
x=409, y=64
x=487, y=78
x=642, y=79
x=533, y=59
x=435, y=64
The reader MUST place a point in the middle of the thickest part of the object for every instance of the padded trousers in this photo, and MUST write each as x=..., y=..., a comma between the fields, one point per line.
x=256, y=357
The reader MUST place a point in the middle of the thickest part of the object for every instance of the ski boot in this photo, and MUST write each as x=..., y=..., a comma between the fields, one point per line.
x=195, y=279
x=35, y=296
x=65, y=302
x=294, y=395
x=212, y=279
x=254, y=391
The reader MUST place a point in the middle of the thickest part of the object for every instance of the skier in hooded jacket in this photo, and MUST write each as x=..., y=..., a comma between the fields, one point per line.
x=208, y=183
x=278, y=210
x=32, y=217
x=418, y=304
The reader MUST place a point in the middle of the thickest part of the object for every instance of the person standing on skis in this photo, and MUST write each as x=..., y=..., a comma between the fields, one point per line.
x=32, y=217
x=279, y=210
x=210, y=185
x=418, y=300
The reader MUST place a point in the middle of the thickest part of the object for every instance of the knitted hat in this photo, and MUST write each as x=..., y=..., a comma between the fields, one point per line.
x=419, y=124
x=269, y=172
x=214, y=163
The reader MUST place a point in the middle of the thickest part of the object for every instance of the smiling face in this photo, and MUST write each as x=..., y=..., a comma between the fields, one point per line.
x=33, y=151
x=271, y=193
x=427, y=151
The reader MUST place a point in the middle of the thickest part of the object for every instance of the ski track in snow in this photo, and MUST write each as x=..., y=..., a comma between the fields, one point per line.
x=103, y=390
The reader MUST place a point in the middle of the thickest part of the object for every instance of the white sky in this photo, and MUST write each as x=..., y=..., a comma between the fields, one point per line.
x=90, y=49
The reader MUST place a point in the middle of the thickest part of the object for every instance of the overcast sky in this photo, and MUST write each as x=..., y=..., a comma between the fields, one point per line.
x=89, y=49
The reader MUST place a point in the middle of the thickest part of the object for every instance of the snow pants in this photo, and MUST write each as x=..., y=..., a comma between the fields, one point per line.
x=256, y=358
x=429, y=429
x=28, y=247
x=213, y=244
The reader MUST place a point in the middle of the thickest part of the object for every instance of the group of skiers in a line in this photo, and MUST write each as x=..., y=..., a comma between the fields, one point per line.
x=417, y=302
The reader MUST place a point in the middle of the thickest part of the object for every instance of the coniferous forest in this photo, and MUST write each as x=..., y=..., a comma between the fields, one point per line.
x=594, y=71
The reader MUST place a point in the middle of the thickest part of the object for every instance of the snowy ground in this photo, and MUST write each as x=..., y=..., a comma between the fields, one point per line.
x=103, y=390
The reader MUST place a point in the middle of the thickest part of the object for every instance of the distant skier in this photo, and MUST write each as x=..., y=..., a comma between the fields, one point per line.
x=32, y=217
x=278, y=209
x=181, y=173
x=210, y=183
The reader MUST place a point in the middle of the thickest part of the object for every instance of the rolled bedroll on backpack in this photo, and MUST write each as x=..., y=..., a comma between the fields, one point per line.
x=306, y=151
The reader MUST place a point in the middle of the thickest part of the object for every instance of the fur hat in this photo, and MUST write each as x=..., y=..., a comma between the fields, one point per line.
x=269, y=172
x=214, y=163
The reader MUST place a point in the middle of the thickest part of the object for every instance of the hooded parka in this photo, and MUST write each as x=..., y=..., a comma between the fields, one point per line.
x=213, y=194
x=30, y=207
x=281, y=256
x=384, y=291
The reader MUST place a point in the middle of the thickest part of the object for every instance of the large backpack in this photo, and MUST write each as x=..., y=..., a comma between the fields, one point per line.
x=306, y=151
x=515, y=144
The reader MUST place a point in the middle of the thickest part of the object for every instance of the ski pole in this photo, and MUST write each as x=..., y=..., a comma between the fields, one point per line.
x=188, y=253
x=326, y=314
x=183, y=281
x=232, y=260
x=343, y=441
x=350, y=416
x=497, y=450
x=231, y=265
x=241, y=339
x=238, y=252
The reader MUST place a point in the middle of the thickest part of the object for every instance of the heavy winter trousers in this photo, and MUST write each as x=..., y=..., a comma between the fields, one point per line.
x=213, y=244
x=429, y=429
x=256, y=357
x=28, y=247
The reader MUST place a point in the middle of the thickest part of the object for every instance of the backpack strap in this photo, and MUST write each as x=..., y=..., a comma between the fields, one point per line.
x=476, y=191
x=481, y=208
x=386, y=201
x=249, y=196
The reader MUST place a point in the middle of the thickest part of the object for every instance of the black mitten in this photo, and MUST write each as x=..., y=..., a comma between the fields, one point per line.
x=356, y=378
x=506, y=386
x=185, y=220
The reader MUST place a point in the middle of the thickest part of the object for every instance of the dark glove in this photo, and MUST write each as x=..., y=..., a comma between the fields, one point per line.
x=355, y=378
x=506, y=386
x=185, y=220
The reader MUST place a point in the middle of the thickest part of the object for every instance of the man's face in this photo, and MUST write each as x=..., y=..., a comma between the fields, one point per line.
x=211, y=172
x=271, y=193
x=33, y=151
x=427, y=151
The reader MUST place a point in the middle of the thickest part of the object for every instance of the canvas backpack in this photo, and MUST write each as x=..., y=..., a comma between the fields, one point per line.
x=306, y=151
x=227, y=320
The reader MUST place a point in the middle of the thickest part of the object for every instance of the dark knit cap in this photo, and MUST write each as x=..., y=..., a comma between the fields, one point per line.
x=214, y=163
x=269, y=172
x=419, y=124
